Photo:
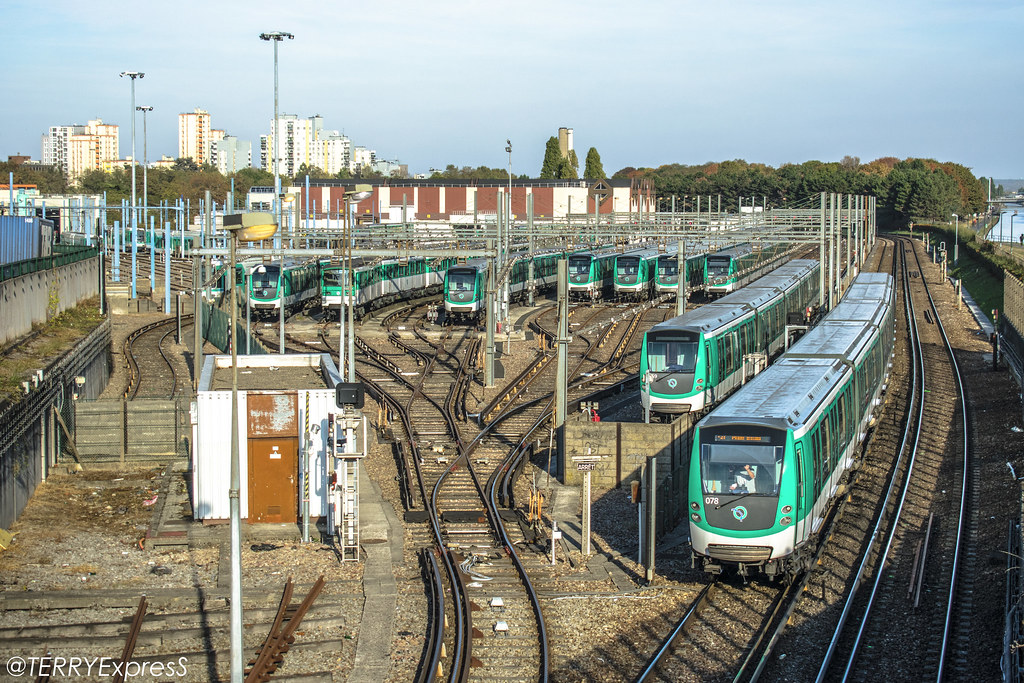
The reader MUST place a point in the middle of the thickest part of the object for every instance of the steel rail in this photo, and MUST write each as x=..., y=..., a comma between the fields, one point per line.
x=965, y=481
x=916, y=403
x=435, y=643
x=702, y=599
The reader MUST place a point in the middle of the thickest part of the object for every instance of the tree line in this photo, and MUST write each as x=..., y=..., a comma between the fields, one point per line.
x=907, y=190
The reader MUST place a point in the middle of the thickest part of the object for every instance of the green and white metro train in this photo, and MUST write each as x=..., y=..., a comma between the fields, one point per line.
x=732, y=268
x=690, y=362
x=768, y=463
x=290, y=283
x=666, y=280
x=465, y=284
x=379, y=282
x=635, y=272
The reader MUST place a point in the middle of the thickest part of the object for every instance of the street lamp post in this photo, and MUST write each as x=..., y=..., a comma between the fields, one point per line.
x=277, y=37
x=135, y=219
x=145, y=162
x=1011, y=231
x=249, y=227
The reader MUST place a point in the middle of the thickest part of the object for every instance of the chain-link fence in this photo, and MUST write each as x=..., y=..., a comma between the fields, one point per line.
x=216, y=322
x=39, y=424
x=141, y=430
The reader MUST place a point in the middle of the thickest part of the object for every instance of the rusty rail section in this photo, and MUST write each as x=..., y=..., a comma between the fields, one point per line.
x=129, y=643
x=282, y=633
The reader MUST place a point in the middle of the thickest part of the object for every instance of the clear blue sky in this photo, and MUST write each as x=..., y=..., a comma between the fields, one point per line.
x=646, y=83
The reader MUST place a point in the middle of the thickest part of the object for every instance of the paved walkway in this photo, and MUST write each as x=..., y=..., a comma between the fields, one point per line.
x=979, y=316
x=381, y=537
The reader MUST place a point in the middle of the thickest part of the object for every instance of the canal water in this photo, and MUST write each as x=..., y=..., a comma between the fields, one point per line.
x=1010, y=226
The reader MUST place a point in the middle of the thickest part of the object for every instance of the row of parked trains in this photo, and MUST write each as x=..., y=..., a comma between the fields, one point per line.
x=594, y=275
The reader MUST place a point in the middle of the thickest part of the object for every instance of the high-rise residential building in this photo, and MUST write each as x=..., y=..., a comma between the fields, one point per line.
x=231, y=154
x=305, y=141
x=56, y=145
x=362, y=157
x=194, y=136
x=95, y=148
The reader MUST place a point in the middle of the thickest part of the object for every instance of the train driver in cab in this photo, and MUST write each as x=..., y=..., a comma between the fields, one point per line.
x=744, y=480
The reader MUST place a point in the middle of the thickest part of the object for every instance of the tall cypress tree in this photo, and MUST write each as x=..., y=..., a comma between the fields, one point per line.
x=552, y=159
x=593, y=170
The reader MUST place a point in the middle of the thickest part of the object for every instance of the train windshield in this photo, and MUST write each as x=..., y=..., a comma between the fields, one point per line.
x=265, y=277
x=718, y=265
x=579, y=265
x=667, y=268
x=461, y=280
x=333, y=277
x=629, y=265
x=671, y=355
x=748, y=467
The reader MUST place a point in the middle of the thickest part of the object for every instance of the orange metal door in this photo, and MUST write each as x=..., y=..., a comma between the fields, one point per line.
x=273, y=477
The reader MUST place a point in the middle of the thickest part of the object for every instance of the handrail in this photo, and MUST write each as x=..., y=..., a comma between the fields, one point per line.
x=9, y=271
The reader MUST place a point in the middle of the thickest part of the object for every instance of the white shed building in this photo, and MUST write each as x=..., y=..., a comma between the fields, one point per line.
x=285, y=404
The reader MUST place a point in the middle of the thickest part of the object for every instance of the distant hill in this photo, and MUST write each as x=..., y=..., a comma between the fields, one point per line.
x=1009, y=184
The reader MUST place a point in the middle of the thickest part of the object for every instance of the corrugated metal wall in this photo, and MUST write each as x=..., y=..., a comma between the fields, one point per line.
x=23, y=238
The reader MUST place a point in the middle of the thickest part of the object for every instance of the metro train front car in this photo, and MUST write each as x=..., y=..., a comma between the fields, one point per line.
x=464, y=290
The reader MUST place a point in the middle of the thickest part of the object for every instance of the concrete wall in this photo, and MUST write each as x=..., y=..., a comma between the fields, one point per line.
x=623, y=448
x=37, y=297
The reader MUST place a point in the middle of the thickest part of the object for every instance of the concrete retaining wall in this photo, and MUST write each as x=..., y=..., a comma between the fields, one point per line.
x=30, y=438
x=624, y=448
x=38, y=297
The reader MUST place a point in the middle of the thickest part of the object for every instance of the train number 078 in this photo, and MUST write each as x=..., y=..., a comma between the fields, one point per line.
x=711, y=500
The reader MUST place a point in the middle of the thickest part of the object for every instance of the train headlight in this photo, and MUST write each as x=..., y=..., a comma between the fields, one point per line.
x=787, y=509
x=695, y=505
x=694, y=516
x=785, y=521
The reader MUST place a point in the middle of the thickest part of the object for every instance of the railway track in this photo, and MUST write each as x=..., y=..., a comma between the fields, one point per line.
x=463, y=483
x=187, y=630
x=916, y=594
x=144, y=356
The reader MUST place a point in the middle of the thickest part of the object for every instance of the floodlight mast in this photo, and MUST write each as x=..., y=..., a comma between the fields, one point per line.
x=277, y=37
x=135, y=219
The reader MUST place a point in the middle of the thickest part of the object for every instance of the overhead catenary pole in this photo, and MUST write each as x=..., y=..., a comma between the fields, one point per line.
x=197, y=324
x=530, y=274
x=821, y=251
x=167, y=267
x=681, y=271
x=562, y=361
x=489, y=318
x=145, y=160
